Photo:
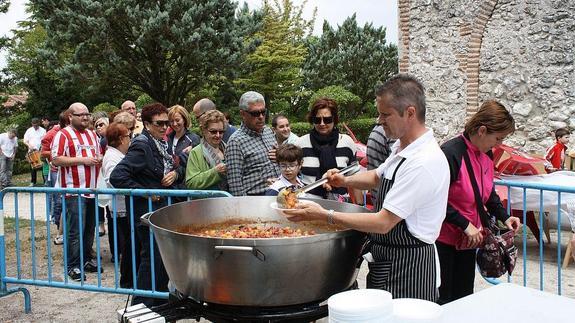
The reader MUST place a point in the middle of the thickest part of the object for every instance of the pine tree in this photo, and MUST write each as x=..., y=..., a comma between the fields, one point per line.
x=164, y=48
x=356, y=58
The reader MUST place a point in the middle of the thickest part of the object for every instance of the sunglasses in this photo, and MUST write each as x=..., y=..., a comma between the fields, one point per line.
x=256, y=114
x=326, y=120
x=161, y=123
x=213, y=132
x=99, y=125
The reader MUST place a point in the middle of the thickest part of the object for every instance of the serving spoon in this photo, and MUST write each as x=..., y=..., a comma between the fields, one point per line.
x=281, y=198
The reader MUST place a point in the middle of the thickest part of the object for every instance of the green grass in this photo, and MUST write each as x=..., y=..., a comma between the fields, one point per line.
x=10, y=223
x=24, y=179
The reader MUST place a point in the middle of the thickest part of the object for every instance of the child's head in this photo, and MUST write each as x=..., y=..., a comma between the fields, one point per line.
x=289, y=158
x=562, y=135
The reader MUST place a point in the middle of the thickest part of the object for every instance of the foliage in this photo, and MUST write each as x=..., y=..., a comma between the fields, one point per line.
x=4, y=5
x=17, y=119
x=274, y=68
x=106, y=107
x=163, y=48
x=142, y=100
x=356, y=58
x=347, y=102
x=21, y=165
x=48, y=93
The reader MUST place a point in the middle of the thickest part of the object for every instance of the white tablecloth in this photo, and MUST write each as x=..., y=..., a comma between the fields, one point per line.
x=506, y=303
x=533, y=196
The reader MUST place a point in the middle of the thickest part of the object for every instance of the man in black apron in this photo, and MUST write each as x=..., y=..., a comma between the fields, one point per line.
x=413, y=185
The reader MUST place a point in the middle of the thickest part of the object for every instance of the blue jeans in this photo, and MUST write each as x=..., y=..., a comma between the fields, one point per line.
x=55, y=199
x=74, y=230
x=5, y=171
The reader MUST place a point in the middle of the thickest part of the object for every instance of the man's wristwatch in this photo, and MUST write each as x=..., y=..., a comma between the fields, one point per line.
x=330, y=219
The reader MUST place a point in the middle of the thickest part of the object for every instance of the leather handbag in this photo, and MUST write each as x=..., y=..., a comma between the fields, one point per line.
x=498, y=253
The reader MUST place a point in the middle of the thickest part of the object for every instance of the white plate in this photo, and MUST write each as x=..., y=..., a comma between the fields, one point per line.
x=275, y=206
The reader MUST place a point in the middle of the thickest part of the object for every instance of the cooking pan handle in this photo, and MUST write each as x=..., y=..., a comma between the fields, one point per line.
x=256, y=252
x=145, y=218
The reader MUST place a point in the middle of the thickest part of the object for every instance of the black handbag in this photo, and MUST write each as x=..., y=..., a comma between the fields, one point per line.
x=498, y=253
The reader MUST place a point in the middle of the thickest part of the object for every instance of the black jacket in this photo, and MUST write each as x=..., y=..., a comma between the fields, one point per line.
x=142, y=167
x=454, y=150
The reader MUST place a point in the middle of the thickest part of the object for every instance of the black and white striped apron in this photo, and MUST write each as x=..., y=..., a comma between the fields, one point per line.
x=403, y=265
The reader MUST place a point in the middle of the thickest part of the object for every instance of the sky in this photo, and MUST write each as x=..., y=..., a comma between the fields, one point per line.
x=379, y=12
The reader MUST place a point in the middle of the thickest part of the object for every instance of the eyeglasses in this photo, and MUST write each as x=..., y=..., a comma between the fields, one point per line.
x=99, y=125
x=214, y=131
x=82, y=115
x=161, y=123
x=326, y=120
x=256, y=114
x=289, y=166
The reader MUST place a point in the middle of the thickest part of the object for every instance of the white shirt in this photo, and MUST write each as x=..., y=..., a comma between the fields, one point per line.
x=8, y=145
x=284, y=182
x=291, y=139
x=419, y=193
x=112, y=157
x=34, y=137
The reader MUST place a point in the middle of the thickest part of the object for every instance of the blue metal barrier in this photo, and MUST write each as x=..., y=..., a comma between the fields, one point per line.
x=33, y=278
x=524, y=186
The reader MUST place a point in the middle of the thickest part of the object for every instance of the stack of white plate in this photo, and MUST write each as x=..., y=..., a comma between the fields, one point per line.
x=360, y=306
x=410, y=310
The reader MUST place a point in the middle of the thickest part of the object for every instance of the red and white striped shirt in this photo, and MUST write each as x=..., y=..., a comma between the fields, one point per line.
x=70, y=142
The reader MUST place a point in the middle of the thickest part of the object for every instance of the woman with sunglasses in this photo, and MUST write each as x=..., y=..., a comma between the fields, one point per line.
x=148, y=165
x=206, y=168
x=325, y=148
x=100, y=124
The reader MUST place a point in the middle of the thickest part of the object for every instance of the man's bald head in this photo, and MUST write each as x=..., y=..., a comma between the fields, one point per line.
x=202, y=107
x=77, y=107
x=79, y=116
x=129, y=106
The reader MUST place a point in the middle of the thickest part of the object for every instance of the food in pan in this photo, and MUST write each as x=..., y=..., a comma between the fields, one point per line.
x=255, y=231
x=249, y=229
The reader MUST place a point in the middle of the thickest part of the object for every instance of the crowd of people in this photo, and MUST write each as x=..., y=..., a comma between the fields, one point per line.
x=422, y=235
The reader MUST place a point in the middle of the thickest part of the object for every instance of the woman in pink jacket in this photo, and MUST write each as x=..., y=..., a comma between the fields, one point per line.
x=461, y=232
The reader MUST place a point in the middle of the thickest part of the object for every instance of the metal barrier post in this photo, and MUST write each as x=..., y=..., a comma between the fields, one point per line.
x=4, y=290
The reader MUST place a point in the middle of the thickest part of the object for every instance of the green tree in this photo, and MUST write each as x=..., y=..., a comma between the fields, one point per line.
x=163, y=48
x=356, y=58
x=4, y=5
x=48, y=93
x=274, y=67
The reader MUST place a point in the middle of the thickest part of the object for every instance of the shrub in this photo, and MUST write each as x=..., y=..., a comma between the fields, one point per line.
x=142, y=100
x=21, y=165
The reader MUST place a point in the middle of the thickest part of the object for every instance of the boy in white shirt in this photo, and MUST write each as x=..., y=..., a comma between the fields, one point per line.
x=289, y=158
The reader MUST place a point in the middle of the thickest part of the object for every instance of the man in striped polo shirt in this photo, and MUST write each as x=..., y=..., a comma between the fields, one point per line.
x=76, y=150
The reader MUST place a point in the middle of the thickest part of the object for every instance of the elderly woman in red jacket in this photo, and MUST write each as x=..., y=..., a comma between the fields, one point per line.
x=461, y=232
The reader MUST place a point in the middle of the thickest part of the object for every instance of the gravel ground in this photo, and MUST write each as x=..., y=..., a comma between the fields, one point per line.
x=65, y=305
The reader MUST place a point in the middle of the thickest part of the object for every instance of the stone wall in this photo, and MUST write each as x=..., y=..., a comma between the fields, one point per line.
x=520, y=52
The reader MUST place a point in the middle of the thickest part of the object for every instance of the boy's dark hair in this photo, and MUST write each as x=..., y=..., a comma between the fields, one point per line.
x=561, y=132
x=289, y=153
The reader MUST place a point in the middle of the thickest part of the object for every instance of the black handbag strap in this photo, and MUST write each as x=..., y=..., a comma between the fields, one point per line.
x=483, y=215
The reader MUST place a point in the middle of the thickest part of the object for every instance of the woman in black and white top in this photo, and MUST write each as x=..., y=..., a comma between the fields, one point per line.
x=324, y=147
